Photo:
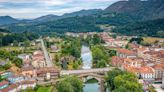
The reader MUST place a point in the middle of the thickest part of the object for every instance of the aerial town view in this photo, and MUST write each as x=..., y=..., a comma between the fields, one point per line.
x=81, y=45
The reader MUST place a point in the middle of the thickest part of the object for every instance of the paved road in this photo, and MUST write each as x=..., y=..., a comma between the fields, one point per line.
x=49, y=62
x=96, y=70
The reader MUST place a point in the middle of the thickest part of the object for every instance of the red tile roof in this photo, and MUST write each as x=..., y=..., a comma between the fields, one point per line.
x=159, y=66
x=125, y=51
x=4, y=83
x=9, y=88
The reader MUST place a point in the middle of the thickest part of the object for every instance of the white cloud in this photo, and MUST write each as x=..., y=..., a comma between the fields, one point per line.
x=36, y=8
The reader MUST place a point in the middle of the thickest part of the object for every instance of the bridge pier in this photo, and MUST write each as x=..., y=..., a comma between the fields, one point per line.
x=102, y=88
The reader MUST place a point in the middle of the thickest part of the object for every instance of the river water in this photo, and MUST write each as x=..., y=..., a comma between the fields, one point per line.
x=86, y=56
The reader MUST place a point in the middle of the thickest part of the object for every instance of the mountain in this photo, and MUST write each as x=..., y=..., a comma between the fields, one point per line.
x=7, y=20
x=4, y=31
x=46, y=18
x=143, y=9
x=83, y=13
x=154, y=28
x=52, y=17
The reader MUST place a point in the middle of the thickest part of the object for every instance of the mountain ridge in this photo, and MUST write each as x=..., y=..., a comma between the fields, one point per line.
x=145, y=10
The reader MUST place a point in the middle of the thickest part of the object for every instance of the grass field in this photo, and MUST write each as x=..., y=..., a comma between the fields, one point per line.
x=11, y=48
x=45, y=89
x=151, y=39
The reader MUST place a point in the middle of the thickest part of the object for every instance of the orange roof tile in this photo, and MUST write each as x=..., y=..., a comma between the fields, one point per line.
x=125, y=51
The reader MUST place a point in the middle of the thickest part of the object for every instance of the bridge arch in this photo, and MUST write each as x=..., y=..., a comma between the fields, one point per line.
x=98, y=77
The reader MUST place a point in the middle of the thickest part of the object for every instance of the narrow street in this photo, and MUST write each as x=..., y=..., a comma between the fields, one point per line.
x=49, y=62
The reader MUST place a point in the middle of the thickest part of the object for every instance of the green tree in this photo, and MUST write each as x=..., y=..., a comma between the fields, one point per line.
x=76, y=83
x=18, y=62
x=6, y=66
x=27, y=43
x=160, y=33
x=75, y=65
x=15, y=43
x=70, y=84
x=64, y=86
x=110, y=77
x=0, y=42
x=101, y=64
x=96, y=39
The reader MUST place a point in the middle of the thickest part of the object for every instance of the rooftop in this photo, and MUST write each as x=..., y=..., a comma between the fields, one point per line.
x=10, y=87
x=126, y=51
x=3, y=83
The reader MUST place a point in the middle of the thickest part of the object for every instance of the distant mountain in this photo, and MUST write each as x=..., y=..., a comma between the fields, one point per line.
x=83, y=13
x=7, y=20
x=143, y=9
x=46, y=18
x=4, y=31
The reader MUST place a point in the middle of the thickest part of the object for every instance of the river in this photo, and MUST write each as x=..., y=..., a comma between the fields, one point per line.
x=86, y=56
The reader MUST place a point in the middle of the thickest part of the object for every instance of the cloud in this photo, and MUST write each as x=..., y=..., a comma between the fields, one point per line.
x=36, y=8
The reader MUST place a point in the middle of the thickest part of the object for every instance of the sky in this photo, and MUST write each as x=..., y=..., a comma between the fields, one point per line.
x=28, y=9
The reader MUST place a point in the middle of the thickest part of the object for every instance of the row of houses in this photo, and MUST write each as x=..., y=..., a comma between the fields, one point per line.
x=112, y=42
x=41, y=74
x=147, y=64
x=28, y=77
x=36, y=59
x=6, y=86
x=13, y=83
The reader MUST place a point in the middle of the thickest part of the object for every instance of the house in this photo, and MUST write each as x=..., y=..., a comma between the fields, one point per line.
x=155, y=56
x=28, y=71
x=54, y=48
x=117, y=61
x=15, y=79
x=4, y=84
x=146, y=73
x=38, y=59
x=133, y=46
x=6, y=74
x=47, y=73
x=10, y=88
x=26, y=84
x=26, y=58
x=159, y=70
x=124, y=53
x=134, y=62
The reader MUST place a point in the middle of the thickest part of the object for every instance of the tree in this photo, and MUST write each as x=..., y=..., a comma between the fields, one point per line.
x=64, y=86
x=101, y=64
x=0, y=42
x=27, y=43
x=6, y=66
x=15, y=43
x=119, y=81
x=76, y=83
x=70, y=84
x=96, y=39
x=137, y=40
x=18, y=62
x=98, y=54
x=110, y=77
x=160, y=33
x=75, y=65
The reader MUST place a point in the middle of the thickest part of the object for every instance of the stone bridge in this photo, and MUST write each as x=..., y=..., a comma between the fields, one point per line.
x=78, y=72
x=97, y=74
